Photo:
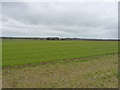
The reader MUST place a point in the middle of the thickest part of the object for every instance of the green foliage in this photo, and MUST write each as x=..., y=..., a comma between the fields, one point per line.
x=20, y=52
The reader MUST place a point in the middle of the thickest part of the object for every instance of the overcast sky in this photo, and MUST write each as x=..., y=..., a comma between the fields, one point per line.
x=81, y=20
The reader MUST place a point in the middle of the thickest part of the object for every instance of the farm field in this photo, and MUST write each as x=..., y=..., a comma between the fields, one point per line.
x=97, y=72
x=22, y=52
x=59, y=64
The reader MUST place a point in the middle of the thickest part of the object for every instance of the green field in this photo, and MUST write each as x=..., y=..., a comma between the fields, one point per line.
x=98, y=72
x=69, y=64
x=22, y=52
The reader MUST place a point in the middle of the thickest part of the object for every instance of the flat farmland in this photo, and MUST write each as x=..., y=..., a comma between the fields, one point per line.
x=22, y=52
x=59, y=64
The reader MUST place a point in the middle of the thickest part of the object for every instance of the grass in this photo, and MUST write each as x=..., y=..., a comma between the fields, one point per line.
x=74, y=64
x=97, y=72
x=22, y=52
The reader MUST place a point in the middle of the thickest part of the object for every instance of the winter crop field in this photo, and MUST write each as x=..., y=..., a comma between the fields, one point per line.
x=22, y=52
x=59, y=64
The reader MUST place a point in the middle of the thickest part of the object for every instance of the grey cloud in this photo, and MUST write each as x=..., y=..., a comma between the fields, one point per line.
x=91, y=20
